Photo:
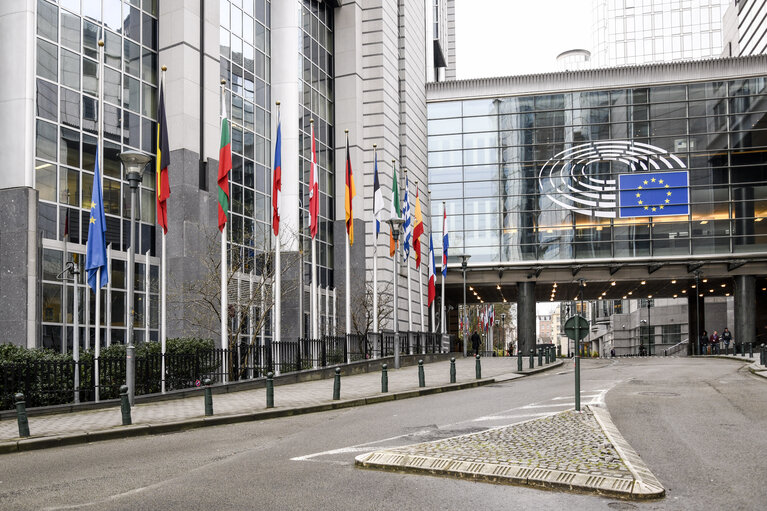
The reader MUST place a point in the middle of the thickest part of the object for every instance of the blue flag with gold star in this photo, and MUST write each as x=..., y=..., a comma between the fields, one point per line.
x=96, y=248
x=654, y=194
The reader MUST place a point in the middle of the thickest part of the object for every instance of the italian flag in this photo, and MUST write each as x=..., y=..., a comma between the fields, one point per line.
x=224, y=166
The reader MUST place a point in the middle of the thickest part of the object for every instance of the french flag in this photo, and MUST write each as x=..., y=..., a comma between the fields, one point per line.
x=432, y=273
x=445, y=243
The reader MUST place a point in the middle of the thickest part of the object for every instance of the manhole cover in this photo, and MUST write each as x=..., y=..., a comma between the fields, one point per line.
x=659, y=394
x=621, y=506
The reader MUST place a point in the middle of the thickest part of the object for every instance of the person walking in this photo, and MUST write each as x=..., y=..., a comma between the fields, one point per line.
x=727, y=339
x=714, y=343
x=703, y=342
x=475, y=341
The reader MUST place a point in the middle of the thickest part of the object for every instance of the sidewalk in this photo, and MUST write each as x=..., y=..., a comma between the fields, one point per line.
x=247, y=405
x=755, y=367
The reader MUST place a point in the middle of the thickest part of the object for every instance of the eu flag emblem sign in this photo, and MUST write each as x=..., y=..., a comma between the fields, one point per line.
x=653, y=194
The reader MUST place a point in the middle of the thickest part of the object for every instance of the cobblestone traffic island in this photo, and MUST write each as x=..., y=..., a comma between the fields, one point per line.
x=575, y=451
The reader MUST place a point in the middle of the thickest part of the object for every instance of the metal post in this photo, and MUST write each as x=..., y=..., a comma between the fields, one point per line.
x=463, y=318
x=519, y=360
x=384, y=378
x=452, y=369
x=125, y=405
x=395, y=223
x=531, y=363
x=337, y=385
x=577, y=353
x=270, y=390
x=421, y=376
x=21, y=415
x=750, y=350
x=478, y=368
x=540, y=357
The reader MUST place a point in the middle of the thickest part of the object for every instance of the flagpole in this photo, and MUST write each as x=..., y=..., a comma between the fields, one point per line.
x=375, y=256
x=420, y=274
x=76, y=335
x=163, y=287
x=442, y=308
x=224, y=275
x=407, y=262
x=347, y=268
x=431, y=239
x=100, y=163
x=314, y=290
x=65, y=297
x=277, y=333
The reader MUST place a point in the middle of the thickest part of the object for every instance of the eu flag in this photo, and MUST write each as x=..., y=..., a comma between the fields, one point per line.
x=96, y=249
x=654, y=194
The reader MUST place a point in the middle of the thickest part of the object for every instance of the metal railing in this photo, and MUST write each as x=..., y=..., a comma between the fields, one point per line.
x=676, y=348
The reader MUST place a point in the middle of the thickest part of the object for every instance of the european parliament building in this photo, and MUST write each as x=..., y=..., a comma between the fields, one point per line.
x=608, y=185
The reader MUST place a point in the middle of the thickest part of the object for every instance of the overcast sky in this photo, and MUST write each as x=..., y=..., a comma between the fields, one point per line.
x=509, y=37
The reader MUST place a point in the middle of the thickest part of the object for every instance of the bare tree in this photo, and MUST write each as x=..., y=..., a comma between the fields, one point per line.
x=362, y=313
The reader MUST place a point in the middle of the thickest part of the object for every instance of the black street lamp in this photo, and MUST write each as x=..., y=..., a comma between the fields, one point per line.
x=395, y=224
x=464, y=264
x=134, y=163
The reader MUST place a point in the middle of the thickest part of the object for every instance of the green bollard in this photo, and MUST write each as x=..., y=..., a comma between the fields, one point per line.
x=577, y=384
x=125, y=405
x=478, y=368
x=452, y=369
x=21, y=415
x=337, y=385
x=208, y=398
x=540, y=357
x=421, y=375
x=519, y=360
x=384, y=378
x=751, y=350
x=532, y=359
x=764, y=356
x=270, y=390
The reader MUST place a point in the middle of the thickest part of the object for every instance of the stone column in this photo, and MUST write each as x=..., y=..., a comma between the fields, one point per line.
x=696, y=319
x=526, y=316
x=745, y=309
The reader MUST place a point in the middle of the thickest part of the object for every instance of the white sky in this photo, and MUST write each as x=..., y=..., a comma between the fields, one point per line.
x=510, y=37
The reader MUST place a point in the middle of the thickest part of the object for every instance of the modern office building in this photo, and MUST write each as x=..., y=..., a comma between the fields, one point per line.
x=539, y=174
x=359, y=66
x=630, y=32
x=745, y=28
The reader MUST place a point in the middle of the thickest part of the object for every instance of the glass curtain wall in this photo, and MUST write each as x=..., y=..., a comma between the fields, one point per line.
x=486, y=157
x=66, y=122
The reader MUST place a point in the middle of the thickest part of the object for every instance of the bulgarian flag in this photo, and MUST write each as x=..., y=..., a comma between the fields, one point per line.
x=418, y=229
x=224, y=166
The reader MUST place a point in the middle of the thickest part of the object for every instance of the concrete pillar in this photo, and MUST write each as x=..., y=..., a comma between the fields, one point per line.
x=696, y=318
x=526, y=316
x=745, y=309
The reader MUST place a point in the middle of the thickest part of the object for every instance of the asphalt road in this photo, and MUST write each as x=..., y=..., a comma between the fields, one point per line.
x=698, y=424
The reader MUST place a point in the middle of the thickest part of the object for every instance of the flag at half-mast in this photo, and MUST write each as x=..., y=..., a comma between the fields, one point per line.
x=349, y=196
x=432, y=273
x=224, y=167
x=445, y=242
x=277, y=181
x=377, y=196
x=394, y=209
x=96, y=247
x=314, y=190
x=418, y=229
x=163, y=160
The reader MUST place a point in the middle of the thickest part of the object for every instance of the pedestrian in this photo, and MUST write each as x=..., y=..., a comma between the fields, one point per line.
x=727, y=338
x=475, y=341
x=612, y=353
x=714, y=343
x=703, y=342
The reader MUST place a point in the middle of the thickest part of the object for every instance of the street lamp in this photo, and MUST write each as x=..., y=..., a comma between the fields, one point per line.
x=395, y=223
x=503, y=330
x=464, y=264
x=134, y=163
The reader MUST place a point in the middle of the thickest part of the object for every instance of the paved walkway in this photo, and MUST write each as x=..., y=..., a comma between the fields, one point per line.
x=755, y=366
x=183, y=413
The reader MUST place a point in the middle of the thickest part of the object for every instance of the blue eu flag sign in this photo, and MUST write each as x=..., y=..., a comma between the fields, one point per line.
x=653, y=194
x=96, y=249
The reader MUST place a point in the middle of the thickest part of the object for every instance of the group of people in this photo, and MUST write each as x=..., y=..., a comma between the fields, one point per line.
x=711, y=345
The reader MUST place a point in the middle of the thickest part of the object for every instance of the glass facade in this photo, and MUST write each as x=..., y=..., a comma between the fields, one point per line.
x=67, y=85
x=486, y=158
x=628, y=32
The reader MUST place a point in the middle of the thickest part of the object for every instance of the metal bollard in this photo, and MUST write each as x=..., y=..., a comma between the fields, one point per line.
x=21, y=415
x=532, y=359
x=421, y=376
x=452, y=369
x=384, y=378
x=125, y=405
x=208, y=397
x=764, y=356
x=540, y=357
x=270, y=390
x=337, y=385
x=751, y=350
x=478, y=368
x=519, y=360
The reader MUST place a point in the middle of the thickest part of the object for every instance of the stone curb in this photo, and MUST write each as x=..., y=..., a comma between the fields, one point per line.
x=540, y=369
x=754, y=366
x=118, y=432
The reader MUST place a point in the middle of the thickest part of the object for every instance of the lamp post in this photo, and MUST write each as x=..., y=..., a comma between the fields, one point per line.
x=134, y=163
x=464, y=264
x=503, y=329
x=395, y=223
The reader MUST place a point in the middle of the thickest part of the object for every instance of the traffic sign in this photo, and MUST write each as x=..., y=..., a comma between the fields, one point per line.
x=583, y=327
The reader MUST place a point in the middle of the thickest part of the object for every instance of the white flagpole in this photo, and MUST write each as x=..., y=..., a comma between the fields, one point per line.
x=100, y=156
x=224, y=275
x=97, y=340
x=420, y=276
x=407, y=263
x=277, y=332
x=109, y=298
x=76, y=338
x=347, y=305
x=65, y=297
x=442, y=308
x=375, y=258
x=313, y=298
x=431, y=237
x=163, y=295
x=146, y=296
